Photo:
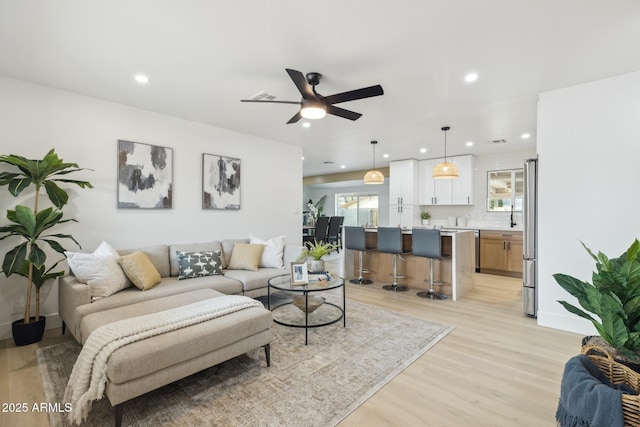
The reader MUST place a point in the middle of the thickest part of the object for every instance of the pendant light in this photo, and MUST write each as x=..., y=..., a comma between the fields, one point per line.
x=445, y=170
x=374, y=176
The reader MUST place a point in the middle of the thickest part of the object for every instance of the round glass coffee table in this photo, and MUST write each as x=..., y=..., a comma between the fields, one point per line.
x=305, y=306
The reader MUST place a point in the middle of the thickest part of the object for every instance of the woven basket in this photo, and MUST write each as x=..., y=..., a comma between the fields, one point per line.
x=618, y=374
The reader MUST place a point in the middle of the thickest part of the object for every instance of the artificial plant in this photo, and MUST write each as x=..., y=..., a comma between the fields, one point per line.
x=34, y=226
x=614, y=296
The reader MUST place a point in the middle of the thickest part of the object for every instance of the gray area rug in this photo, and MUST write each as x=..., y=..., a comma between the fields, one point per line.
x=314, y=385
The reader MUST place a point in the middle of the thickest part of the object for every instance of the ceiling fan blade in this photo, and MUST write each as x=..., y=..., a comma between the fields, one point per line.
x=352, y=95
x=301, y=83
x=295, y=118
x=341, y=112
x=271, y=102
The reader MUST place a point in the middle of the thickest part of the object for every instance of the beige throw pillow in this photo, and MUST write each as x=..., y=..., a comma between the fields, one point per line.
x=140, y=270
x=245, y=256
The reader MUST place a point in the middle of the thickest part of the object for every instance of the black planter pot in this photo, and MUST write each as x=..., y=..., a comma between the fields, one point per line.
x=28, y=333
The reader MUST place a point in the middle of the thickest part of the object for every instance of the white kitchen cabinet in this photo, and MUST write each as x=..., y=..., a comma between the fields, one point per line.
x=458, y=191
x=462, y=188
x=403, y=193
x=403, y=182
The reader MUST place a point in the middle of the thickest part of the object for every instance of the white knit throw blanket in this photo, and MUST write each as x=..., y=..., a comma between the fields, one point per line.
x=89, y=376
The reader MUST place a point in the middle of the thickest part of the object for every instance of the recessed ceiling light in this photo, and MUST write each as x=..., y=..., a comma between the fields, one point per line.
x=385, y=155
x=469, y=143
x=423, y=150
x=141, y=78
x=302, y=157
x=306, y=125
x=342, y=166
x=471, y=77
x=525, y=136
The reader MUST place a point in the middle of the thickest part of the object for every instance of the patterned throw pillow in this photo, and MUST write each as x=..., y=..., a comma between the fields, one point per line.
x=199, y=264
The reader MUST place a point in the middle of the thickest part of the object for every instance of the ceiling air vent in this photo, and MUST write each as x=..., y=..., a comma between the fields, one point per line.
x=498, y=141
x=328, y=162
x=263, y=96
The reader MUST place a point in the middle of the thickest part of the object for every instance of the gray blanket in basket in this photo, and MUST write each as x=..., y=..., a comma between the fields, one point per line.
x=587, y=397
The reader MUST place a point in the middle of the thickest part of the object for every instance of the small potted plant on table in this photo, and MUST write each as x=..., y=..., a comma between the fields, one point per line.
x=317, y=250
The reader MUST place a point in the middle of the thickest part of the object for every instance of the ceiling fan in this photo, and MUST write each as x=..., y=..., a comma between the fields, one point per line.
x=315, y=106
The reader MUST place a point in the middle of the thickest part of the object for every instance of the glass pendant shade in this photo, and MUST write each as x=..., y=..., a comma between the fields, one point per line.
x=445, y=170
x=374, y=176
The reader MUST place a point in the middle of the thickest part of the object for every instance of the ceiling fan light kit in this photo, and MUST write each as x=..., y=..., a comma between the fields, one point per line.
x=445, y=170
x=315, y=106
x=374, y=176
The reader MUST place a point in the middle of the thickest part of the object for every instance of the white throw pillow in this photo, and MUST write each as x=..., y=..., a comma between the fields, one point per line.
x=100, y=270
x=273, y=253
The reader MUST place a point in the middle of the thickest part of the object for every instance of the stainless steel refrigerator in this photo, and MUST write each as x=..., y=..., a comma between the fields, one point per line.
x=530, y=250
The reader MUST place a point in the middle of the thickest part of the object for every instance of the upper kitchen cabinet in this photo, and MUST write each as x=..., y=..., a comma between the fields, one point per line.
x=403, y=182
x=458, y=191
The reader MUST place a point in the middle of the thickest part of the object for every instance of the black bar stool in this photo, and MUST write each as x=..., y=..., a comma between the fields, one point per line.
x=390, y=241
x=426, y=243
x=355, y=239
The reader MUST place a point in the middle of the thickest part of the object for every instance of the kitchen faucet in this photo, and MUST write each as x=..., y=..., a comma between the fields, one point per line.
x=512, y=223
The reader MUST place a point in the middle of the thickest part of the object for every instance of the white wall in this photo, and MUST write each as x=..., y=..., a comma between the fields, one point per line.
x=85, y=131
x=589, y=179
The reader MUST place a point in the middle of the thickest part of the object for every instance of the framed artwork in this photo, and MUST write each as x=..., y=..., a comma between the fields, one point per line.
x=299, y=274
x=145, y=175
x=220, y=182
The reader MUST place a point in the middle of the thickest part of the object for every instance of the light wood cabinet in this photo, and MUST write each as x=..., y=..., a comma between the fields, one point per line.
x=501, y=252
x=457, y=191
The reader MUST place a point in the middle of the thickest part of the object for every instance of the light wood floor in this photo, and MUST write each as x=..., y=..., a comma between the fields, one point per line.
x=497, y=368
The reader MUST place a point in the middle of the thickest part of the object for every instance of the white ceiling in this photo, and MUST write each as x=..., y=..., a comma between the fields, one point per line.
x=202, y=57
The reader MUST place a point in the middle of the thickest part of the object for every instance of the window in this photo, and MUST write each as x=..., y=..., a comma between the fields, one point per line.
x=358, y=209
x=505, y=189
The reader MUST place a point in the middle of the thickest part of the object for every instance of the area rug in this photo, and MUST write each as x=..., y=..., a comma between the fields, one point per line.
x=314, y=385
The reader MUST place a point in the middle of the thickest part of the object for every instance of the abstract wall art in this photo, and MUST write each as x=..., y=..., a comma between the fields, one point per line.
x=220, y=182
x=144, y=175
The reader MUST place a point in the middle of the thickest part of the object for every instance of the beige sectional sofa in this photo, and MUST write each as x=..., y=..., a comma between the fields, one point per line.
x=75, y=297
x=150, y=363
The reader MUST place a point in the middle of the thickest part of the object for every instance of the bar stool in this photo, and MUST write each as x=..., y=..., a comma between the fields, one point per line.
x=355, y=239
x=426, y=243
x=390, y=241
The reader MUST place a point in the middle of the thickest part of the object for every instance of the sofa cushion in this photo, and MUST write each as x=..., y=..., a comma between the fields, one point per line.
x=158, y=255
x=227, y=249
x=245, y=256
x=140, y=270
x=100, y=270
x=167, y=287
x=199, y=264
x=254, y=279
x=273, y=251
x=213, y=245
x=95, y=320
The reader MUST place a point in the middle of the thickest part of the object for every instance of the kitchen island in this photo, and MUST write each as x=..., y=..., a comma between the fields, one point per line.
x=456, y=271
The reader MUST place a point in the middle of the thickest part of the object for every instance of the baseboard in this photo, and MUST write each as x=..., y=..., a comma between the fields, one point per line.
x=53, y=321
x=568, y=322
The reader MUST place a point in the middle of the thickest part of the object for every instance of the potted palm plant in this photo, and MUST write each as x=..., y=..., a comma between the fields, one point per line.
x=614, y=297
x=34, y=229
x=317, y=250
